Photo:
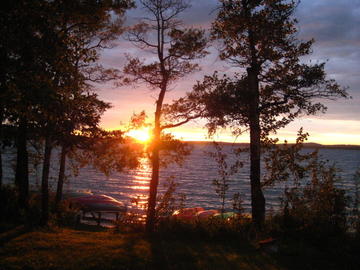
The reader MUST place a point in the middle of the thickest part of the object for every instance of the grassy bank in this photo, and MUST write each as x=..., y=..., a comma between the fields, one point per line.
x=95, y=248
x=83, y=249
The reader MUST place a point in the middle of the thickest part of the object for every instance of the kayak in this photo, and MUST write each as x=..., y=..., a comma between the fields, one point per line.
x=187, y=214
x=204, y=215
x=226, y=215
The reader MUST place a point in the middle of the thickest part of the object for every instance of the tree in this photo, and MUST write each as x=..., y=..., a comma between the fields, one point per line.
x=78, y=31
x=221, y=183
x=175, y=49
x=78, y=124
x=49, y=57
x=272, y=85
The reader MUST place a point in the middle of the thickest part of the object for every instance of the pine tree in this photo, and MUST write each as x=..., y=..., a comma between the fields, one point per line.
x=175, y=48
x=271, y=87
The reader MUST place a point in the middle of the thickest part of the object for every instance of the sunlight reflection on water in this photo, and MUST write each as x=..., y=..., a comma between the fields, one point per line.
x=195, y=179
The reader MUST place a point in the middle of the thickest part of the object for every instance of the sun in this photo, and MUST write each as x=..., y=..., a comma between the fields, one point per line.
x=141, y=135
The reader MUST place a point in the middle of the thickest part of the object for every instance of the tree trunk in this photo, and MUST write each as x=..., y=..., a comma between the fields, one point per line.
x=257, y=196
x=1, y=147
x=60, y=182
x=155, y=163
x=1, y=172
x=150, y=217
x=45, y=184
x=21, y=173
x=155, y=158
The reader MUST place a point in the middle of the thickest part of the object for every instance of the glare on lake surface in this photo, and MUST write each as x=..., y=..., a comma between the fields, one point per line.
x=194, y=178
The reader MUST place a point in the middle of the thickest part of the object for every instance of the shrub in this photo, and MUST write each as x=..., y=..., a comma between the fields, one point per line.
x=66, y=215
x=311, y=203
x=314, y=206
x=355, y=217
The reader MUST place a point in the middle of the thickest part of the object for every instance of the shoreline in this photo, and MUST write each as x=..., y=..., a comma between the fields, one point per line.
x=305, y=145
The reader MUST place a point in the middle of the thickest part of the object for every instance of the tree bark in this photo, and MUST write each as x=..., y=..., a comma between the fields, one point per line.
x=257, y=196
x=1, y=147
x=155, y=164
x=155, y=158
x=151, y=215
x=1, y=172
x=21, y=171
x=60, y=182
x=45, y=184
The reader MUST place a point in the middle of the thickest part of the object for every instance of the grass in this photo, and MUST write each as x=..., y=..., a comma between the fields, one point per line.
x=95, y=248
x=84, y=249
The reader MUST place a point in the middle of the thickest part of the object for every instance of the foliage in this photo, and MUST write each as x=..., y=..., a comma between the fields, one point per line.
x=109, y=152
x=312, y=202
x=172, y=150
x=237, y=203
x=285, y=162
x=138, y=121
x=170, y=200
x=319, y=207
x=67, y=215
x=175, y=49
x=221, y=184
x=238, y=227
x=355, y=215
x=271, y=86
x=49, y=50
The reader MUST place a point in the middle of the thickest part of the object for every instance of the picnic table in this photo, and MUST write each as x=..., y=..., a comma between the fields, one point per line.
x=97, y=205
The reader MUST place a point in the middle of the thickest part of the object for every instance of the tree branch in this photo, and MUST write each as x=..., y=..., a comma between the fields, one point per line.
x=181, y=123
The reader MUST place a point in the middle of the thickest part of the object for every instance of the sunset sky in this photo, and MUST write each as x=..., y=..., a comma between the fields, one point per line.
x=333, y=24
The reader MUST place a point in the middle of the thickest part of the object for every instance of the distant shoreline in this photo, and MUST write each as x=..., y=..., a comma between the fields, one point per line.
x=306, y=145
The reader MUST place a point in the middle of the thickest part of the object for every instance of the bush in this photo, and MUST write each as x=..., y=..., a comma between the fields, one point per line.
x=355, y=215
x=240, y=227
x=66, y=215
x=312, y=203
x=317, y=207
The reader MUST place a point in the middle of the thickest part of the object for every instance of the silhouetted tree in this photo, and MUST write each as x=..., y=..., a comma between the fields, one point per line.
x=79, y=123
x=50, y=48
x=175, y=48
x=79, y=30
x=271, y=87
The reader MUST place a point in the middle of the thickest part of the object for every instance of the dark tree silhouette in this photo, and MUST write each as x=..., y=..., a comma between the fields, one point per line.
x=272, y=86
x=79, y=30
x=175, y=49
x=49, y=48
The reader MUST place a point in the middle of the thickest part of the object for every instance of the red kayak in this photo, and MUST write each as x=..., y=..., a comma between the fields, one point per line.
x=187, y=214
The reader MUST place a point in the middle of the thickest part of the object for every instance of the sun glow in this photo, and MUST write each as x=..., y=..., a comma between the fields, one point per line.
x=141, y=135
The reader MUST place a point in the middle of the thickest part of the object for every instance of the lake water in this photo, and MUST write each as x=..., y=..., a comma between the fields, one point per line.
x=194, y=178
